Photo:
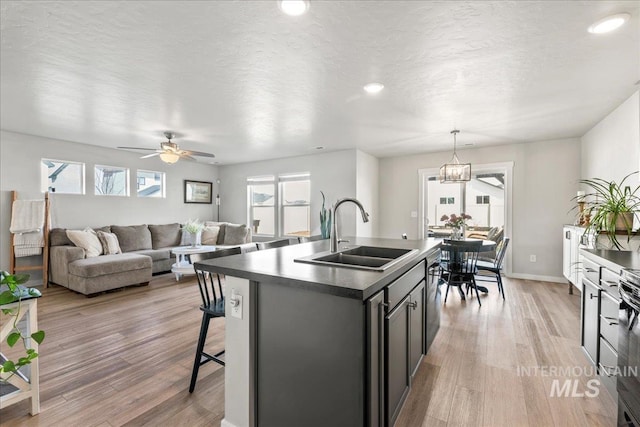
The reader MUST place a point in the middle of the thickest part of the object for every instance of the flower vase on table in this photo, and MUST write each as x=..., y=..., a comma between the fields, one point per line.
x=457, y=223
x=195, y=239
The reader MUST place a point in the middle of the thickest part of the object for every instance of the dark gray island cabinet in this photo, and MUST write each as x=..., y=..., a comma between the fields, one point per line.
x=321, y=345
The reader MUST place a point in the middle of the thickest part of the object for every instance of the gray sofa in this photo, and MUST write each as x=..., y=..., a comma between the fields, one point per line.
x=146, y=250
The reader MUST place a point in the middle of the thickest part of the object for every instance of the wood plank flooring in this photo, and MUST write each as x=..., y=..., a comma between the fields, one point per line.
x=124, y=359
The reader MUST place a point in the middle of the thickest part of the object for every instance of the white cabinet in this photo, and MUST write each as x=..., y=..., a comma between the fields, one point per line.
x=571, y=239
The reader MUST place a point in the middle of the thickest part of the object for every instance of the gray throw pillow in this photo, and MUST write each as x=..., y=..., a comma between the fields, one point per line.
x=165, y=235
x=132, y=237
x=235, y=234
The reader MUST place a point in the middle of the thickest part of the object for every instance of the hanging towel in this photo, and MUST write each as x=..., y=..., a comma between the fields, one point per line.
x=27, y=223
x=27, y=216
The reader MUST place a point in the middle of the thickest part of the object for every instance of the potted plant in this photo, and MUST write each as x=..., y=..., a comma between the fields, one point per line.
x=612, y=207
x=325, y=220
x=15, y=292
x=194, y=228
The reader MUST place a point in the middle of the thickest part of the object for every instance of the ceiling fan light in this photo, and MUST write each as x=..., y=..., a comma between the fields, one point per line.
x=294, y=7
x=169, y=157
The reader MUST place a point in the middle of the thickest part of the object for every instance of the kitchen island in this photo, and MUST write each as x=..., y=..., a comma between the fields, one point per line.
x=316, y=345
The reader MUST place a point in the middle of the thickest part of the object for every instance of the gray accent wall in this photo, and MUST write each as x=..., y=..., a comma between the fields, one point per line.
x=545, y=178
x=20, y=157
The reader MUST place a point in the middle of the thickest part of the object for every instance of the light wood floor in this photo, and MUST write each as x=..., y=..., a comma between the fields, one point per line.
x=125, y=358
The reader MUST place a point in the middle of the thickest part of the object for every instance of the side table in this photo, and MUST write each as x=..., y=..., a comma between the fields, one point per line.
x=182, y=265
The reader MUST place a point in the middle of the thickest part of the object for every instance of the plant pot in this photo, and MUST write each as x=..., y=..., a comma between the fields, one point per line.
x=624, y=221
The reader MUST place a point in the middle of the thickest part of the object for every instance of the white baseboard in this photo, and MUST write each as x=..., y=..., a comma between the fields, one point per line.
x=552, y=279
x=225, y=423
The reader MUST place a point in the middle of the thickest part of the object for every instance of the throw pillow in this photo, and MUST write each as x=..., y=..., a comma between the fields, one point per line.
x=210, y=235
x=235, y=234
x=87, y=240
x=109, y=241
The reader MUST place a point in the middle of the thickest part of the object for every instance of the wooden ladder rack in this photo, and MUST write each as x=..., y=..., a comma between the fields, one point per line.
x=44, y=266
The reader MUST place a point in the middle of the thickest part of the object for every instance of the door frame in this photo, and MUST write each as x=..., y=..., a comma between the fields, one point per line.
x=507, y=167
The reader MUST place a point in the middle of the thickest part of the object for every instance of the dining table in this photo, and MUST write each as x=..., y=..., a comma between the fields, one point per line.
x=487, y=246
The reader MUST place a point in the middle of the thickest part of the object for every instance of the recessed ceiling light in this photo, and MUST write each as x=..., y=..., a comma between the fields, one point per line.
x=319, y=147
x=294, y=7
x=608, y=24
x=373, y=87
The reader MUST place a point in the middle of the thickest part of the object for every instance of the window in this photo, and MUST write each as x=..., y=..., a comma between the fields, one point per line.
x=111, y=181
x=262, y=205
x=150, y=184
x=482, y=200
x=295, y=205
x=61, y=176
x=447, y=200
x=280, y=210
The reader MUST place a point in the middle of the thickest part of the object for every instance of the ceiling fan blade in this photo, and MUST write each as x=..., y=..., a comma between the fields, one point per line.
x=150, y=155
x=199, y=153
x=186, y=156
x=137, y=148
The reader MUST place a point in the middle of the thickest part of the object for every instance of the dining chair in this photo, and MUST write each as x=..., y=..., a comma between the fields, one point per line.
x=460, y=268
x=273, y=244
x=212, y=306
x=492, y=271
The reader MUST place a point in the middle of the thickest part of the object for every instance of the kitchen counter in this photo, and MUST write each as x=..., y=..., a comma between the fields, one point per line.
x=266, y=265
x=319, y=345
x=613, y=260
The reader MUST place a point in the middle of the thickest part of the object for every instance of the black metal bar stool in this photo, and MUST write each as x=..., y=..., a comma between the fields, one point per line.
x=212, y=306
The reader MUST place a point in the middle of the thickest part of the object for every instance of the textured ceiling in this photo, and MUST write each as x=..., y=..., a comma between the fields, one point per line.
x=244, y=81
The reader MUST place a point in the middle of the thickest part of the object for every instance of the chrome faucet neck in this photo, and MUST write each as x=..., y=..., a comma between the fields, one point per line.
x=334, y=239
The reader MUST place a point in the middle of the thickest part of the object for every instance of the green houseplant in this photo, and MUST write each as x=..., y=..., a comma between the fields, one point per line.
x=612, y=207
x=15, y=292
x=325, y=220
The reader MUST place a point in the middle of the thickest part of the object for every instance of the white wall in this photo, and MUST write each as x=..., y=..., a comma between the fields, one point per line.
x=20, y=157
x=611, y=149
x=545, y=178
x=367, y=191
x=333, y=173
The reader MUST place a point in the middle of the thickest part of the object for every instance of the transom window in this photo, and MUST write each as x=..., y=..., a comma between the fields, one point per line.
x=62, y=176
x=150, y=184
x=111, y=181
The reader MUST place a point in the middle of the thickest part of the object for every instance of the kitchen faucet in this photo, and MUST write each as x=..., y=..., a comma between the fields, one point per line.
x=334, y=241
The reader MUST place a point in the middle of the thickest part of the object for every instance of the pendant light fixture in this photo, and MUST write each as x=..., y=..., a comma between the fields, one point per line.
x=454, y=171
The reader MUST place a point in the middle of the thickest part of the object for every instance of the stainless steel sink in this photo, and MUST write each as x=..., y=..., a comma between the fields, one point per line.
x=360, y=257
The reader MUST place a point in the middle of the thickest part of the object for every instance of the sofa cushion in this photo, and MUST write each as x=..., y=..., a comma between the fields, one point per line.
x=155, y=254
x=110, y=244
x=133, y=237
x=109, y=264
x=210, y=235
x=165, y=235
x=235, y=234
x=86, y=239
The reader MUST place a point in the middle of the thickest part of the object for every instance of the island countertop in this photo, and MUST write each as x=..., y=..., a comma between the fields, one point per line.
x=279, y=264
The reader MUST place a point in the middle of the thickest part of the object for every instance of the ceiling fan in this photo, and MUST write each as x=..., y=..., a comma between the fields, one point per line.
x=170, y=152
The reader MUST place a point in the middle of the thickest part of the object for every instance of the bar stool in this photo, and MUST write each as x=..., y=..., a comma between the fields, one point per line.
x=212, y=306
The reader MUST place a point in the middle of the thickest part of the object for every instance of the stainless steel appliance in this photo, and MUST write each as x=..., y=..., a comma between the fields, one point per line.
x=629, y=349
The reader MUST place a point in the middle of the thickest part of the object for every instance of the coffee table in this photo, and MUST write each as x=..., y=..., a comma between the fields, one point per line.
x=182, y=265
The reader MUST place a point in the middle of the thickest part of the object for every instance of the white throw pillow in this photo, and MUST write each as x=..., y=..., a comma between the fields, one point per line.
x=86, y=239
x=210, y=235
x=110, y=244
